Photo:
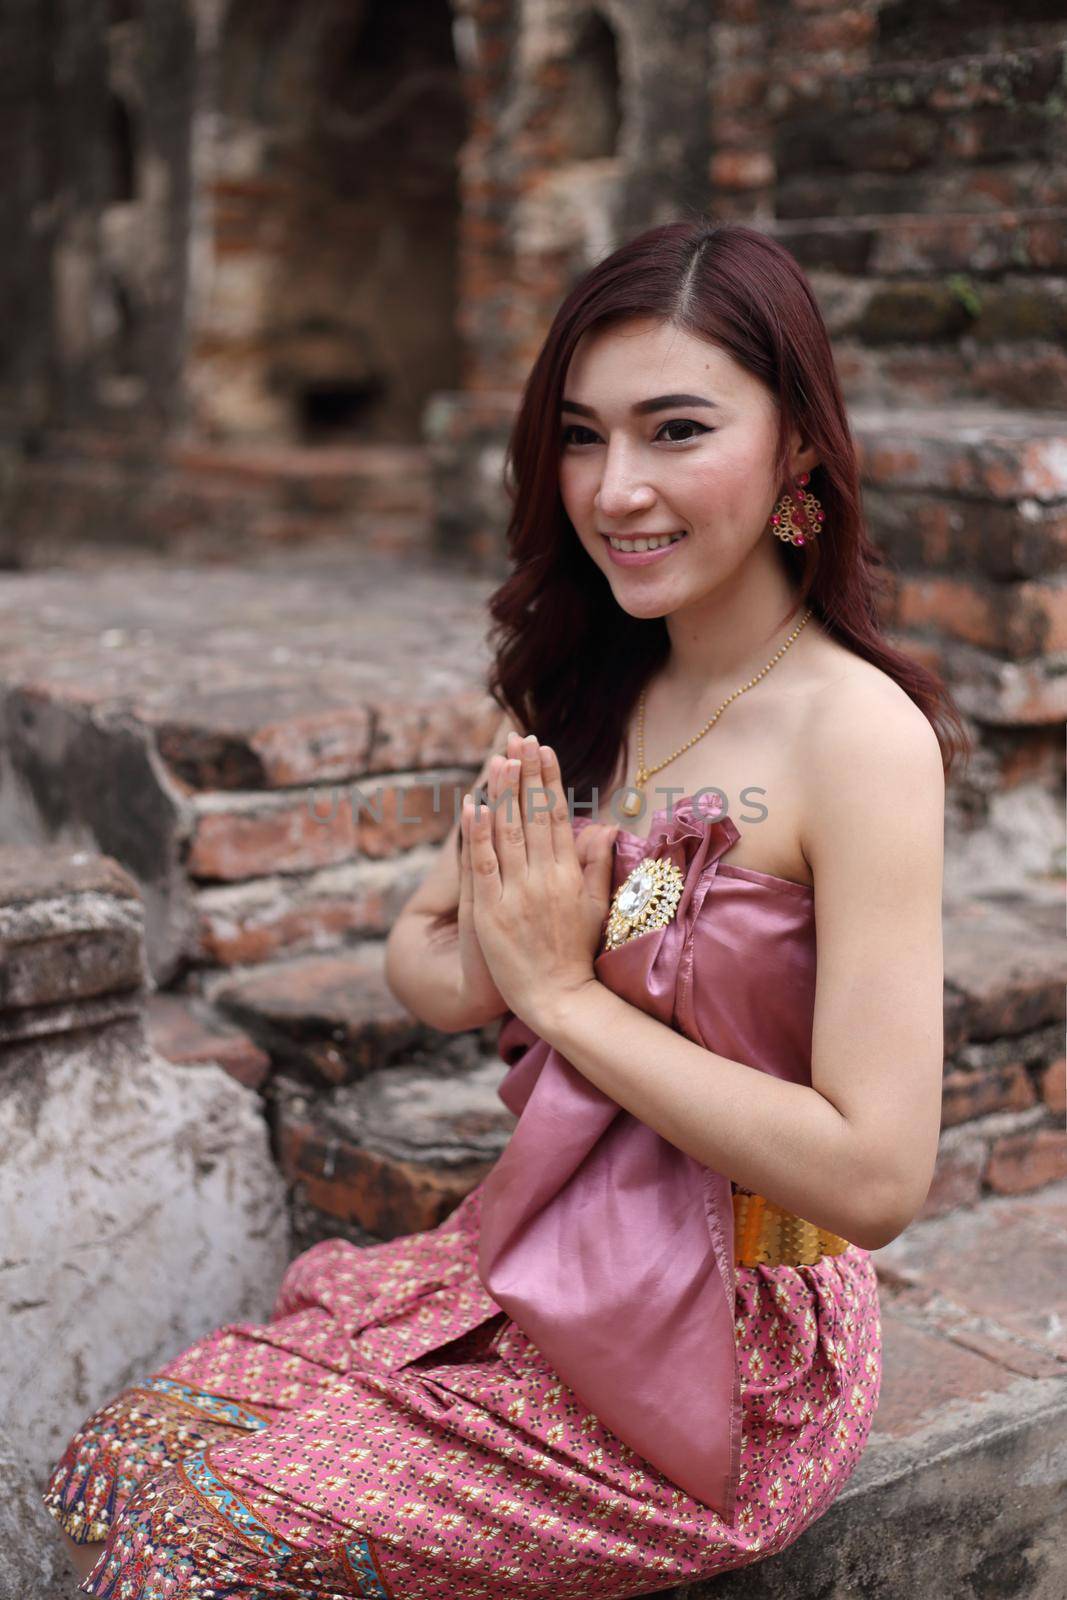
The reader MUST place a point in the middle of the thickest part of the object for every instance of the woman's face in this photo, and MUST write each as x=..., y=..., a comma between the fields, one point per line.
x=699, y=465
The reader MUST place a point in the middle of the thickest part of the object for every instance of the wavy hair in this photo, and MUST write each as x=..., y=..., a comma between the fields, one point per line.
x=568, y=663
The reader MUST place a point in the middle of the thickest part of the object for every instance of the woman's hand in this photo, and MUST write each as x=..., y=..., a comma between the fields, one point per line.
x=479, y=990
x=537, y=898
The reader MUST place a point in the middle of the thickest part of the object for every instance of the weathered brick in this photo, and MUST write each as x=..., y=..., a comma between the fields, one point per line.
x=332, y=1015
x=1006, y=959
x=967, y=1095
x=184, y=1029
x=71, y=928
x=265, y=918
x=1024, y=1161
x=993, y=690
x=241, y=836
x=957, y=1179
x=1053, y=1081
x=1005, y=455
x=741, y=169
x=1021, y=620
x=396, y=1152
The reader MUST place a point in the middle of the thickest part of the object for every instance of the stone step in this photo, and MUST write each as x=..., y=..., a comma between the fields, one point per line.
x=949, y=340
x=266, y=728
x=963, y=1470
x=393, y=1153
x=922, y=245
x=978, y=129
x=331, y=1017
x=936, y=29
x=182, y=1028
x=331, y=1025
x=88, y=494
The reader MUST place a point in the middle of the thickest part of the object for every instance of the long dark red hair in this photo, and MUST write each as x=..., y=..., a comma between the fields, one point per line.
x=568, y=662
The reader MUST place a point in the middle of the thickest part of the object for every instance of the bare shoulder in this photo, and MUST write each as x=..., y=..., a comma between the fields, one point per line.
x=873, y=776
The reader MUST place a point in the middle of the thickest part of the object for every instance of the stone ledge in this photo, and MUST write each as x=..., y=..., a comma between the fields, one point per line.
x=71, y=929
x=332, y=1017
x=397, y=1152
x=963, y=1470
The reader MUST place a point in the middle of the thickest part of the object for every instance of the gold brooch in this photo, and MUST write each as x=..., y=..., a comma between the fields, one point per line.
x=647, y=899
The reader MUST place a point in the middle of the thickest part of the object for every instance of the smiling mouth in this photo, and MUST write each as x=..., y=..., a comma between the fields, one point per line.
x=647, y=542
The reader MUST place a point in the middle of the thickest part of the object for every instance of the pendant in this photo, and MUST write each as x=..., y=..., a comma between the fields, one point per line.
x=648, y=898
x=632, y=804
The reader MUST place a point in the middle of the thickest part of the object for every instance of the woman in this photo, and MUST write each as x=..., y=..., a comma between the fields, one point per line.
x=647, y=1347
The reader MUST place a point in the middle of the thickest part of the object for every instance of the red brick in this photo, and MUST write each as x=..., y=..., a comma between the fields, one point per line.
x=334, y=1015
x=1053, y=1081
x=1028, y=1160
x=742, y=169
x=957, y=1179
x=385, y=1196
x=1018, y=619
x=966, y=1095
x=184, y=1029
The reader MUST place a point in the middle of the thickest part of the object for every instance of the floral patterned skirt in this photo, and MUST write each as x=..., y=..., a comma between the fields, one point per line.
x=281, y=1460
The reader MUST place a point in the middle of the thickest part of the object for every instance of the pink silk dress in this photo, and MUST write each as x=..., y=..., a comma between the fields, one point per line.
x=566, y=1389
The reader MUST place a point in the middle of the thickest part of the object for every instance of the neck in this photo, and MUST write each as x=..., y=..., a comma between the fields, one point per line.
x=724, y=639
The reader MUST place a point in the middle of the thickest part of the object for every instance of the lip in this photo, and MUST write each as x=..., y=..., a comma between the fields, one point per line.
x=641, y=558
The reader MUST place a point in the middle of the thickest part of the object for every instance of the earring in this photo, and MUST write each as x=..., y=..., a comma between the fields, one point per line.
x=783, y=520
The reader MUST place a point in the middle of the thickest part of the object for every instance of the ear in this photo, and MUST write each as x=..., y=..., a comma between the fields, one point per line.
x=803, y=457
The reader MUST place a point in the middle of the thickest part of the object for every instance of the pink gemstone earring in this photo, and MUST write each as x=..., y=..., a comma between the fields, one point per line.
x=783, y=520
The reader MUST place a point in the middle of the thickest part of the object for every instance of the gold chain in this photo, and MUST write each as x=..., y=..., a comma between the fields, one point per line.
x=632, y=803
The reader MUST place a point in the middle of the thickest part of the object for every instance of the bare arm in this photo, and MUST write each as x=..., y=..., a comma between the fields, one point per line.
x=424, y=972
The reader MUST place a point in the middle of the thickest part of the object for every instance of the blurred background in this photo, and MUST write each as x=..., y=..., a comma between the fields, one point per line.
x=274, y=273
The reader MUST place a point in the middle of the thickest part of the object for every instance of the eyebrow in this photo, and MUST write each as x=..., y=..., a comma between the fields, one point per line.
x=643, y=407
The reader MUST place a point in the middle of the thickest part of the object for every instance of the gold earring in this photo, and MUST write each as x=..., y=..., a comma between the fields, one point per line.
x=784, y=523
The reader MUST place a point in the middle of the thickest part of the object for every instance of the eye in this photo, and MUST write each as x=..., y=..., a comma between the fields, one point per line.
x=675, y=422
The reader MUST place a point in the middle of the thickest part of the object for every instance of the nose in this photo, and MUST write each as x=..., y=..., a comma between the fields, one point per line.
x=622, y=490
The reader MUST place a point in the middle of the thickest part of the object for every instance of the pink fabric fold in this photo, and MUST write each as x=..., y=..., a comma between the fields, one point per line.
x=609, y=1247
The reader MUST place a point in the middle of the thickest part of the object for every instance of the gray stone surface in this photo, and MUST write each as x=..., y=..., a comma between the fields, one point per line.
x=32, y=1563
x=974, y=1506
x=141, y=1210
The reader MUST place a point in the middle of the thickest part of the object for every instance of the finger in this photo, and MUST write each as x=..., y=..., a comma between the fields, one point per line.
x=464, y=861
x=563, y=841
x=509, y=829
x=484, y=869
x=536, y=806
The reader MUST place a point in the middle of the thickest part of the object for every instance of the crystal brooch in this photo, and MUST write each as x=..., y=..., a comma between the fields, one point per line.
x=646, y=899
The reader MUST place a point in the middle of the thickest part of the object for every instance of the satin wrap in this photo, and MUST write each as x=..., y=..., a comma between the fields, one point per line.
x=609, y=1247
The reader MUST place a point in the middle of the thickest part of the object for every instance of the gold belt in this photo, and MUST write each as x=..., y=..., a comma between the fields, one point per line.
x=766, y=1235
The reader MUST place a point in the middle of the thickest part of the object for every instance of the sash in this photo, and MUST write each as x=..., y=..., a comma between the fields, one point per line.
x=607, y=1245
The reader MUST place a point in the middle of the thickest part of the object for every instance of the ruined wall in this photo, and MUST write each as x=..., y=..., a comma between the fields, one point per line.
x=95, y=126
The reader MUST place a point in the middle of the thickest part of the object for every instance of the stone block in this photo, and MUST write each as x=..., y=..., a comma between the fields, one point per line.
x=332, y=1016
x=264, y=919
x=396, y=1152
x=71, y=928
x=1006, y=959
x=142, y=1210
x=184, y=1029
x=33, y=1564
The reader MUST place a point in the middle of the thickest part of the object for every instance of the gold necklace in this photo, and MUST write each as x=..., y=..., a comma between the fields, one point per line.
x=632, y=804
